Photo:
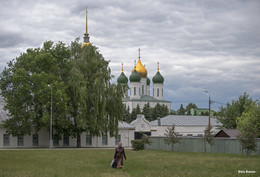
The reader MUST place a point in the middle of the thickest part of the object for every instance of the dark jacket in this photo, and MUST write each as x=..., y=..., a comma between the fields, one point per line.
x=118, y=156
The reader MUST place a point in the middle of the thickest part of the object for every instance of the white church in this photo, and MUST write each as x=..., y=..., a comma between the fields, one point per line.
x=140, y=87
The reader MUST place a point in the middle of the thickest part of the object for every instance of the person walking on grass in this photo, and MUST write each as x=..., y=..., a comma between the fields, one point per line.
x=118, y=156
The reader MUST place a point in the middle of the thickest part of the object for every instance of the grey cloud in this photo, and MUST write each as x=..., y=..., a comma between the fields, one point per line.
x=200, y=44
x=10, y=39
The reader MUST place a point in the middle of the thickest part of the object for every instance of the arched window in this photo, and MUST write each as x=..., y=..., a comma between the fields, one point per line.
x=158, y=92
x=134, y=90
x=162, y=92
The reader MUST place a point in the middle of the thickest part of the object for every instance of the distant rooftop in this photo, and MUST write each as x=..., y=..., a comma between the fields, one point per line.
x=185, y=121
x=232, y=133
x=124, y=125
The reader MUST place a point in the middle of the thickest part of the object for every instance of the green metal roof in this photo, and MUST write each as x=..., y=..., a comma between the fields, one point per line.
x=158, y=78
x=135, y=77
x=122, y=79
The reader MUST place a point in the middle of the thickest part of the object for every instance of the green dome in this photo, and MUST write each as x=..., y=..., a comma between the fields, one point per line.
x=158, y=78
x=135, y=77
x=122, y=79
x=148, y=81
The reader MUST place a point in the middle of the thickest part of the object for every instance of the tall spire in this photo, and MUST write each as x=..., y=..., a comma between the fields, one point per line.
x=86, y=35
x=139, y=50
x=122, y=67
x=158, y=66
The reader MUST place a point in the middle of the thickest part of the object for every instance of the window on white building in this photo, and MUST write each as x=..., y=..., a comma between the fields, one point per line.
x=55, y=141
x=134, y=90
x=20, y=140
x=158, y=92
x=104, y=139
x=6, y=139
x=142, y=89
x=117, y=139
x=162, y=92
x=66, y=140
x=88, y=139
x=189, y=134
x=35, y=140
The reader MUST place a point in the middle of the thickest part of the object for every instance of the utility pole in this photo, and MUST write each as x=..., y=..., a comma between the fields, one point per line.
x=209, y=105
x=51, y=121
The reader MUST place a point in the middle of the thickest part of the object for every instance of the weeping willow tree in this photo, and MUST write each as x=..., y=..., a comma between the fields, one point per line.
x=96, y=104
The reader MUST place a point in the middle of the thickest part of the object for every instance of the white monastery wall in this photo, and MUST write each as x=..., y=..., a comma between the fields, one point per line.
x=43, y=140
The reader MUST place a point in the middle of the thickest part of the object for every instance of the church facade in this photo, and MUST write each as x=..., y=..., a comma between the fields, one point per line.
x=139, y=87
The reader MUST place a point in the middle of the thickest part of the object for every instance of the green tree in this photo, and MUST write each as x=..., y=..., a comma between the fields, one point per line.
x=159, y=111
x=229, y=114
x=249, y=126
x=24, y=86
x=147, y=112
x=173, y=112
x=127, y=115
x=208, y=137
x=138, y=109
x=134, y=113
x=164, y=110
x=206, y=113
x=172, y=136
x=96, y=104
x=181, y=111
x=189, y=107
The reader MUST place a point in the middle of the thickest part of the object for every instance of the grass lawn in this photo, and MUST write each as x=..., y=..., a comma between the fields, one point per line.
x=89, y=162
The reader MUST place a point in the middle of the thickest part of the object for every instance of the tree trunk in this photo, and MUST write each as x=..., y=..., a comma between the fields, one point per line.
x=78, y=140
x=172, y=147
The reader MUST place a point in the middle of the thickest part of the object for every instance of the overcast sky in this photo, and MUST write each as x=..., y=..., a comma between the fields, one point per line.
x=204, y=44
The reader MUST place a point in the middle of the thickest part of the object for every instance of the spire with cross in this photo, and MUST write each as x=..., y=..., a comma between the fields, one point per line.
x=139, y=50
x=86, y=35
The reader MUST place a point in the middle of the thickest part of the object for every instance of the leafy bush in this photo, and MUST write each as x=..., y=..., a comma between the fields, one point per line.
x=137, y=144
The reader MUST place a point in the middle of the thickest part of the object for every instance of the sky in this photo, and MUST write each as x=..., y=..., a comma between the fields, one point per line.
x=200, y=44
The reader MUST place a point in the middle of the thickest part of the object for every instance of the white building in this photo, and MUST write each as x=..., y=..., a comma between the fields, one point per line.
x=184, y=125
x=139, y=88
x=41, y=138
x=141, y=126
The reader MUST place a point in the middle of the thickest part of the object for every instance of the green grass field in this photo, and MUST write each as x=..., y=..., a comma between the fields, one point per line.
x=89, y=162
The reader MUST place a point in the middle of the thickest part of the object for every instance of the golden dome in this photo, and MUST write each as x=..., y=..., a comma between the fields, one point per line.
x=140, y=68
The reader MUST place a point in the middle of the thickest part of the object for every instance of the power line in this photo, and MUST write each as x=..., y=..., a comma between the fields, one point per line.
x=217, y=102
